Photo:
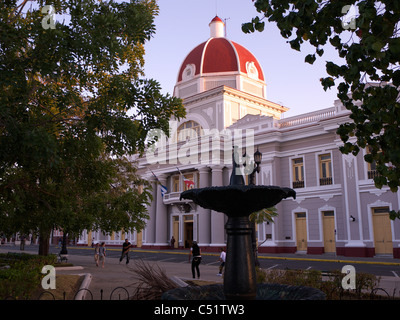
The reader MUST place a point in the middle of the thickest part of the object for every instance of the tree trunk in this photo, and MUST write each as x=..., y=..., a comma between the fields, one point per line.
x=44, y=244
x=64, y=244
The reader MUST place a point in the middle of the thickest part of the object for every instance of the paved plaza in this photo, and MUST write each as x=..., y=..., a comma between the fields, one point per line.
x=102, y=281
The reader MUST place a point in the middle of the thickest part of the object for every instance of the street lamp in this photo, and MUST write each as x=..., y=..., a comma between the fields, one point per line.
x=252, y=182
x=257, y=160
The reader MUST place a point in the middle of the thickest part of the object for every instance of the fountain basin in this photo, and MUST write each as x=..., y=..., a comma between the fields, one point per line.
x=238, y=200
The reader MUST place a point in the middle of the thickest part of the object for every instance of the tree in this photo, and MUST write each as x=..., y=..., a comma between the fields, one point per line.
x=367, y=83
x=73, y=107
x=258, y=217
x=263, y=215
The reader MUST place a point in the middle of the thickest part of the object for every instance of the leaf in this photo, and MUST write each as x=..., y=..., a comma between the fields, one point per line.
x=327, y=82
x=248, y=27
x=310, y=58
x=259, y=26
x=295, y=44
x=332, y=69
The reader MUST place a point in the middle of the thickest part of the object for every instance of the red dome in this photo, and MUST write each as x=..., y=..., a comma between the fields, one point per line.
x=220, y=55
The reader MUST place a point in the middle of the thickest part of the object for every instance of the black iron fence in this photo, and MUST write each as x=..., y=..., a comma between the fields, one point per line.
x=121, y=293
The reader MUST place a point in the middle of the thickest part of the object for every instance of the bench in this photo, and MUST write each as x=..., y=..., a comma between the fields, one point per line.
x=62, y=257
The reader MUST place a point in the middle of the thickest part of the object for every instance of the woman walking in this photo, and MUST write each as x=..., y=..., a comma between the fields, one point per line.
x=196, y=253
x=102, y=253
x=96, y=254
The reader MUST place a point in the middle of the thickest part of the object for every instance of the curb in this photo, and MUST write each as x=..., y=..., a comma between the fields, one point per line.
x=179, y=281
x=332, y=260
x=84, y=286
x=68, y=268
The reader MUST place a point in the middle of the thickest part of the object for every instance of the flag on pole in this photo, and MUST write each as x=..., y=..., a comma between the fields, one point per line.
x=163, y=188
x=189, y=183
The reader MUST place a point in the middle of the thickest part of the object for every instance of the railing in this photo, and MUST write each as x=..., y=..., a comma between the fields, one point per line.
x=121, y=293
x=307, y=118
x=298, y=184
x=325, y=181
x=372, y=174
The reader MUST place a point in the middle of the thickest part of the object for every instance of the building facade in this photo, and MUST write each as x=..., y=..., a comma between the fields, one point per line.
x=337, y=209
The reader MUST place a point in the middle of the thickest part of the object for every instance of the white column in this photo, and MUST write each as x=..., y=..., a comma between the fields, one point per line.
x=217, y=218
x=151, y=223
x=204, y=215
x=161, y=234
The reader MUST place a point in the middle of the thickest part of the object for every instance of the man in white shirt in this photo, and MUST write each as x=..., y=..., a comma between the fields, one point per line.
x=222, y=258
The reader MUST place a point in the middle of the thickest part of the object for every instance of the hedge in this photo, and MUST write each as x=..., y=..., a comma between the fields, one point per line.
x=20, y=274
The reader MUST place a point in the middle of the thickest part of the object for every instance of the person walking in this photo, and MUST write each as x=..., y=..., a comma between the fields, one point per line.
x=22, y=243
x=125, y=251
x=102, y=254
x=222, y=258
x=96, y=254
x=196, y=253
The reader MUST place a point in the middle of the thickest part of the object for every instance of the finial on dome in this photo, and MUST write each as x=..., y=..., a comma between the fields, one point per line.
x=217, y=28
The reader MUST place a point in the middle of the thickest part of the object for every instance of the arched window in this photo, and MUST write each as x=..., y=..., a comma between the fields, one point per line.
x=189, y=130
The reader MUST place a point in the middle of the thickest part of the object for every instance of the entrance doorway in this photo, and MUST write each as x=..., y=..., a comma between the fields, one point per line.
x=328, y=221
x=301, y=231
x=188, y=231
x=139, y=239
x=382, y=231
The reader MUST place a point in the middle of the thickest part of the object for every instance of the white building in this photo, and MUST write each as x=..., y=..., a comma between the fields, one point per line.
x=337, y=208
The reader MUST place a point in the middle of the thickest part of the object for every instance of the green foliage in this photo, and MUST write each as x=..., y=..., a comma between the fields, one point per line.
x=368, y=80
x=330, y=284
x=263, y=215
x=21, y=274
x=74, y=108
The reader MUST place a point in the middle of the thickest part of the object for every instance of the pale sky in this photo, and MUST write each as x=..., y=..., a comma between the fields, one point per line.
x=183, y=24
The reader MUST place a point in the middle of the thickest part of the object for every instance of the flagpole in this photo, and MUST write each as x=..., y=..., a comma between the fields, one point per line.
x=163, y=188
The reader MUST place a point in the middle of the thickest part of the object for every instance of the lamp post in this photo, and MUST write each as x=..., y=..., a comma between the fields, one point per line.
x=252, y=182
x=257, y=161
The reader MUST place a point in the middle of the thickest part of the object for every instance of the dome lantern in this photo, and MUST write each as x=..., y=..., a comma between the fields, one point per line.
x=217, y=28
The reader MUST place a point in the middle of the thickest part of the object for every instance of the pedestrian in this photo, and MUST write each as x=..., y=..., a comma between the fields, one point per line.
x=125, y=251
x=222, y=258
x=196, y=253
x=22, y=243
x=102, y=254
x=172, y=242
x=96, y=254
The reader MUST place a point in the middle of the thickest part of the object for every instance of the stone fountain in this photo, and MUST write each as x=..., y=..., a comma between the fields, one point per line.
x=238, y=201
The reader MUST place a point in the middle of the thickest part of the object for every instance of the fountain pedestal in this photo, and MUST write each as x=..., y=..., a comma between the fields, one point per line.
x=240, y=275
x=238, y=202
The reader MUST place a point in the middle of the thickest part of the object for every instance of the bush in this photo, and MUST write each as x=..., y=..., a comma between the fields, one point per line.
x=20, y=274
x=331, y=284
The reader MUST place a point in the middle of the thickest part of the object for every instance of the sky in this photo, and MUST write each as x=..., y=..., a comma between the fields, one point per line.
x=183, y=24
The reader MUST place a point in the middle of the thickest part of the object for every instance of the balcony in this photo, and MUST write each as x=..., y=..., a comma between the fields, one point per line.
x=298, y=184
x=372, y=174
x=172, y=197
x=325, y=181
